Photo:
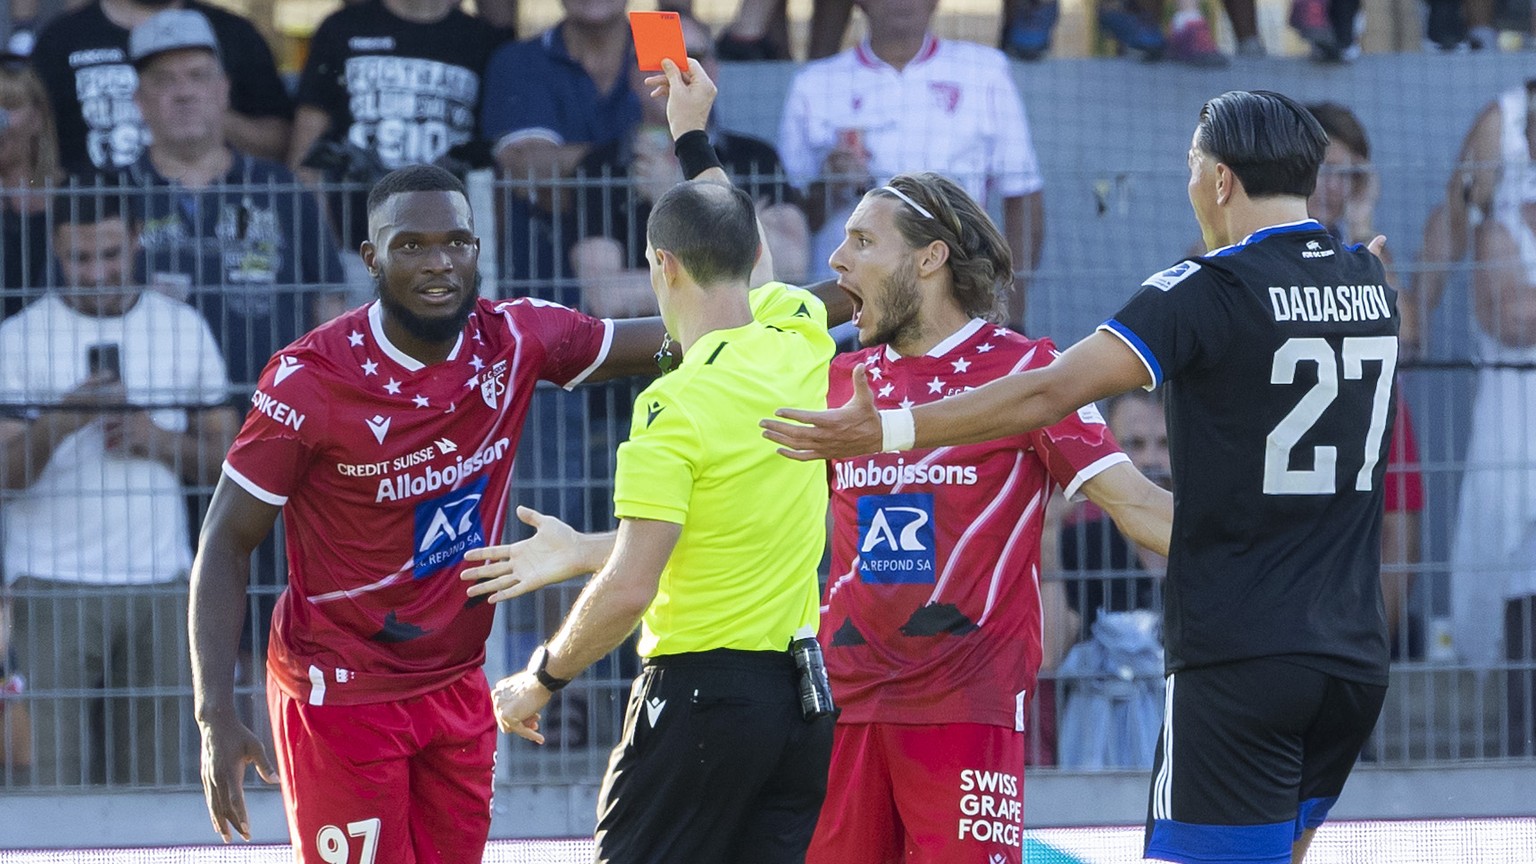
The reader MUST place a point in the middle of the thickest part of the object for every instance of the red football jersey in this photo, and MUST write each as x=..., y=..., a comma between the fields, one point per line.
x=387, y=472
x=932, y=612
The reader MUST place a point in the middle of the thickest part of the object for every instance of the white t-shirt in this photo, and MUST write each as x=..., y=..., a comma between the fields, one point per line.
x=90, y=517
x=953, y=109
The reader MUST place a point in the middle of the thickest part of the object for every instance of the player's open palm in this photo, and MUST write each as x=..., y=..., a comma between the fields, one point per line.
x=228, y=746
x=551, y=555
x=847, y=431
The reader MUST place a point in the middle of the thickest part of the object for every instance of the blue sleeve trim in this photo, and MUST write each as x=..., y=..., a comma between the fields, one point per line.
x=1220, y=844
x=1312, y=812
x=1147, y=357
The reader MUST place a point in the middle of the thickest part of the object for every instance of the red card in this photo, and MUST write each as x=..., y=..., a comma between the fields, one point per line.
x=658, y=36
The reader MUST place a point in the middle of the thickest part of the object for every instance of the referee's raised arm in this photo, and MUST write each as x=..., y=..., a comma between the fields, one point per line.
x=690, y=96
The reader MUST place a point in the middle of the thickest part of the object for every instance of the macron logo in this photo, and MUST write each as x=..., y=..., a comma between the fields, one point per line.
x=285, y=366
x=443, y=445
x=653, y=708
x=379, y=426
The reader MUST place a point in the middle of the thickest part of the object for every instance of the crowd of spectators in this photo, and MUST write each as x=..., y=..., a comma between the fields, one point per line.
x=172, y=216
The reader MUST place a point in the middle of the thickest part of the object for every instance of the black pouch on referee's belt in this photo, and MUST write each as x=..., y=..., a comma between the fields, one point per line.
x=815, y=689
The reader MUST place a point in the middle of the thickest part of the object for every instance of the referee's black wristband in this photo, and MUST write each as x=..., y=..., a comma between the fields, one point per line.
x=696, y=154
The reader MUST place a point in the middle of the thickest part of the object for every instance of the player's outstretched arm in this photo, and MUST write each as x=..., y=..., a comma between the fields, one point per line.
x=1098, y=366
x=1142, y=510
x=556, y=552
x=237, y=522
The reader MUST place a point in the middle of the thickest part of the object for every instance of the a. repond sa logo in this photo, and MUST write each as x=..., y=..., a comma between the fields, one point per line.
x=896, y=538
x=448, y=526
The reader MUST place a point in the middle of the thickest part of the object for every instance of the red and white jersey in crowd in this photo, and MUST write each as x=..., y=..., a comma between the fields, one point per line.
x=387, y=472
x=953, y=108
x=932, y=612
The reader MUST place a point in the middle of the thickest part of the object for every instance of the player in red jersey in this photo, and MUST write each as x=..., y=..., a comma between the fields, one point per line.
x=386, y=437
x=932, y=618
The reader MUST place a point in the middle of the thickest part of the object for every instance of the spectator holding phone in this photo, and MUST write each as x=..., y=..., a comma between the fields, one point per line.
x=113, y=403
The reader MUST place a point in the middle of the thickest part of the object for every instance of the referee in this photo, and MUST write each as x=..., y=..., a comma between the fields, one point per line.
x=1282, y=342
x=715, y=555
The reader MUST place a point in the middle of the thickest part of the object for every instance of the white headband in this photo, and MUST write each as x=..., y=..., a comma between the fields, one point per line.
x=903, y=196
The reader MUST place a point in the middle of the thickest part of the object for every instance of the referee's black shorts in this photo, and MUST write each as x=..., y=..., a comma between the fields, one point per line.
x=1252, y=753
x=716, y=765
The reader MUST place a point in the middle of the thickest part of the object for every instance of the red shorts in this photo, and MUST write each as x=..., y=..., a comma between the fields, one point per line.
x=952, y=793
x=405, y=782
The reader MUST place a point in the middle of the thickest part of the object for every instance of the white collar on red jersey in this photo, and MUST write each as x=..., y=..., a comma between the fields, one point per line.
x=411, y=364
x=867, y=56
x=948, y=344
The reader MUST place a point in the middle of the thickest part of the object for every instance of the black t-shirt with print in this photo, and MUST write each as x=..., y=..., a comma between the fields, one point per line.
x=407, y=92
x=396, y=93
x=82, y=59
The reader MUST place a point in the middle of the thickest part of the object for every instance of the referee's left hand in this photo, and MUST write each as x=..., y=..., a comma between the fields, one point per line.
x=840, y=432
x=517, y=700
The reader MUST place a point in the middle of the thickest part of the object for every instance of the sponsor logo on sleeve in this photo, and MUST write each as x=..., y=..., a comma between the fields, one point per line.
x=1172, y=276
x=285, y=366
x=896, y=539
x=448, y=526
x=280, y=412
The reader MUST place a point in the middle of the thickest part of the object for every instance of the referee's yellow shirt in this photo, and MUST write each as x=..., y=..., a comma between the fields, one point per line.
x=743, y=574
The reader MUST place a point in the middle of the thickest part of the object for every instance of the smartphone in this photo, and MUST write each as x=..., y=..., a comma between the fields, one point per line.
x=658, y=36
x=104, y=361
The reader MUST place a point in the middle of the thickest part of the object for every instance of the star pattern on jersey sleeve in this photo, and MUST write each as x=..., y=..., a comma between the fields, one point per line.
x=370, y=368
x=355, y=338
x=907, y=403
x=393, y=387
x=984, y=347
x=420, y=400
x=961, y=364
x=935, y=385
x=875, y=373
x=477, y=363
x=999, y=331
x=887, y=390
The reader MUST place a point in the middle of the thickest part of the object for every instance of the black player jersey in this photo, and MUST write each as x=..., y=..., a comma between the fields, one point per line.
x=1280, y=353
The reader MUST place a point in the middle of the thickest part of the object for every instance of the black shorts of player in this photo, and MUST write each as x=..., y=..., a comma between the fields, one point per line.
x=1252, y=753
x=716, y=766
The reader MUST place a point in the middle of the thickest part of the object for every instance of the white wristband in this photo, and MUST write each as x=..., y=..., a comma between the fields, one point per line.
x=898, y=430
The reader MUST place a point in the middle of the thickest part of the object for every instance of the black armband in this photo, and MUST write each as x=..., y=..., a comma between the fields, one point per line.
x=696, y=154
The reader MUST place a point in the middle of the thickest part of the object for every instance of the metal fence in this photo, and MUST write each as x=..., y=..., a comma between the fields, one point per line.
x=98, y=688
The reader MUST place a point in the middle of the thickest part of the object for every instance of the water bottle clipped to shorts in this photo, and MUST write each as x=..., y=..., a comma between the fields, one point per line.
x=815, y=689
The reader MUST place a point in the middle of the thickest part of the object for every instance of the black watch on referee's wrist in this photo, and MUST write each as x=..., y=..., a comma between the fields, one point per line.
x=536, y=665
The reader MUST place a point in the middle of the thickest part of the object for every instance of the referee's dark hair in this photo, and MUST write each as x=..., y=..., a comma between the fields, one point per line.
x=412, y=178
x=980, y=260
x=710, y=227
x=1272, y=143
